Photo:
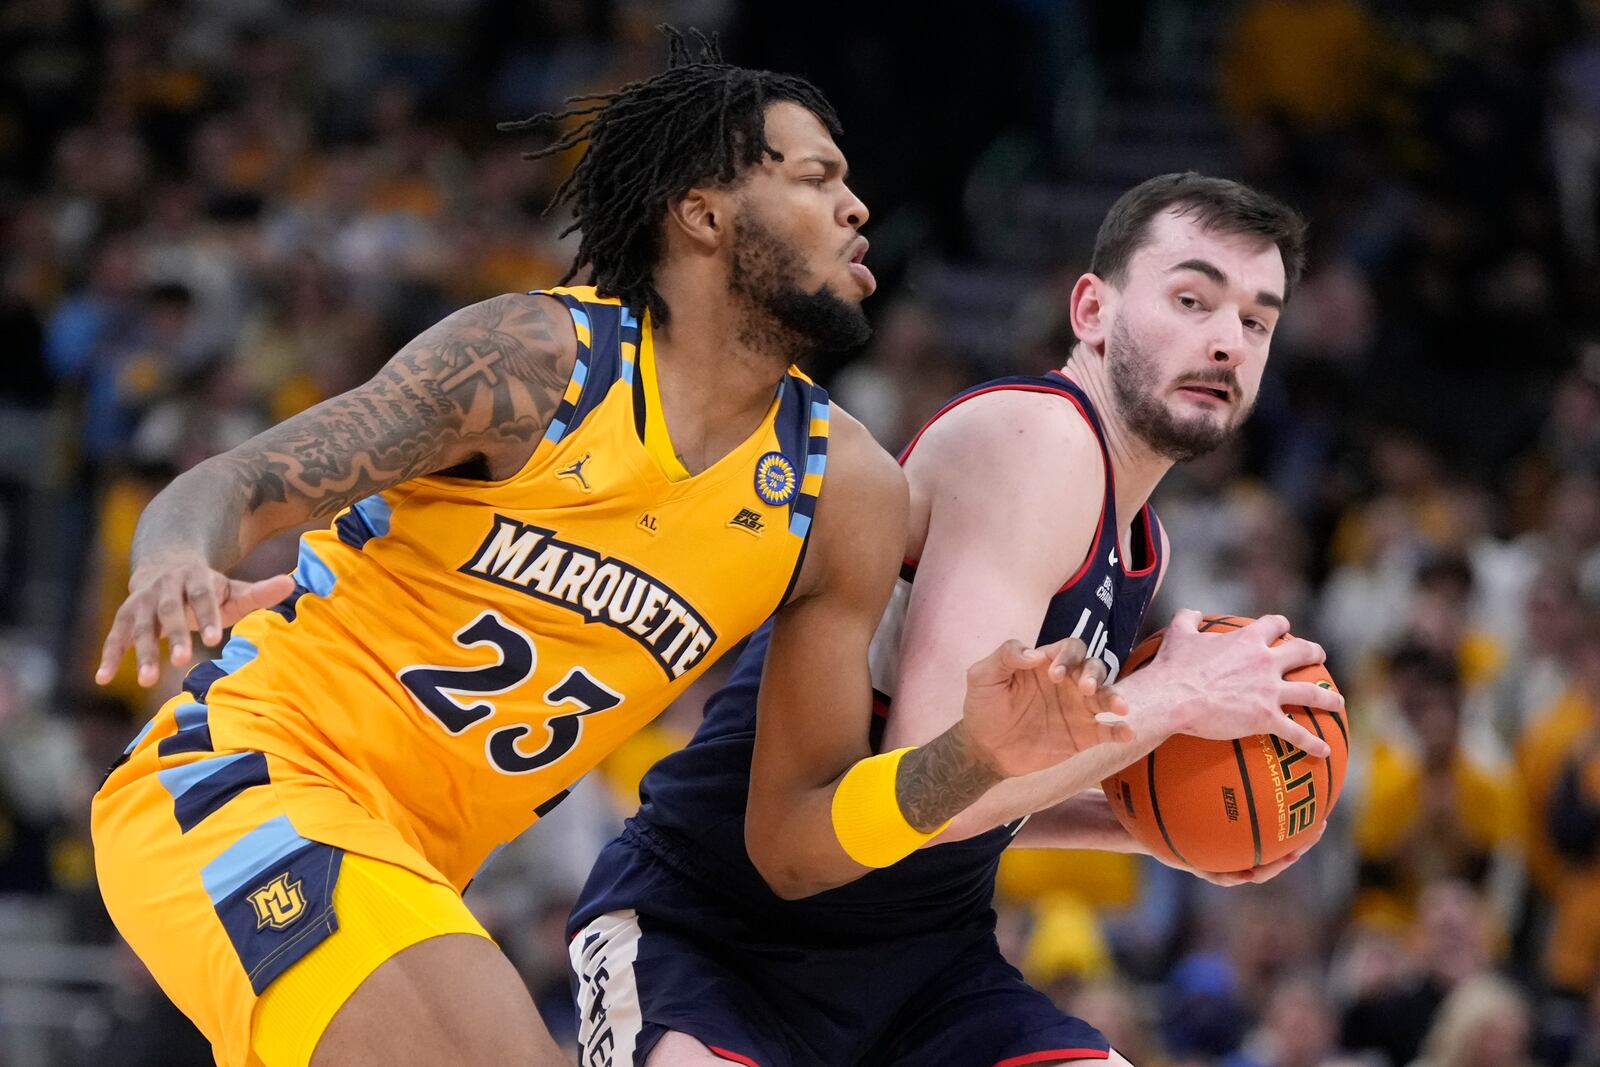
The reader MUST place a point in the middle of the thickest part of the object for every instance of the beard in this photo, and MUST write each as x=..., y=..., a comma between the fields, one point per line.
x=781, y=316
x=1135, y=383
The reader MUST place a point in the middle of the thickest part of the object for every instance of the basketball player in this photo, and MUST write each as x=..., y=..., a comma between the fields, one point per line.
x=552, y=512
x=1029, y=515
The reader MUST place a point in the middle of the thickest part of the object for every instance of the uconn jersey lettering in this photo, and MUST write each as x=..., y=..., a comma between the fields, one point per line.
x=690, y=831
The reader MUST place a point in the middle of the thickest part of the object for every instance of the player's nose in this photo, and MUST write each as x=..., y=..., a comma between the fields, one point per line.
x=852, y=210
x=1227, y=342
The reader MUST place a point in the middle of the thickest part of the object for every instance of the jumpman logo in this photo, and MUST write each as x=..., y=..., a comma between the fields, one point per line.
x=576, y=471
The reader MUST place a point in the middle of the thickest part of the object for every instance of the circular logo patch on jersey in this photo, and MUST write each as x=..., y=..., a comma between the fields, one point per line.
x=775, y=480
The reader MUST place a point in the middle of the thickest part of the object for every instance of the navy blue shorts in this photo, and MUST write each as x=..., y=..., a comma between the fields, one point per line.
x=915, y=1001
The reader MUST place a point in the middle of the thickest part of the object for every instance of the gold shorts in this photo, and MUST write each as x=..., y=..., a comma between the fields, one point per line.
x=257, y=933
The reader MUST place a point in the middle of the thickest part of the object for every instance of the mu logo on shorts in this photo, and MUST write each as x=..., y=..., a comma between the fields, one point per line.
x=278, y=903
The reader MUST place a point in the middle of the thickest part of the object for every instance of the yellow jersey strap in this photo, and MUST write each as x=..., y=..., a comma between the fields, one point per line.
x=802, y=427
x=608, y=351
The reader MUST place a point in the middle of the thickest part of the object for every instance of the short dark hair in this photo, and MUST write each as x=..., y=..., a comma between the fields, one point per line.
x=649, y=143
x=1215, y=203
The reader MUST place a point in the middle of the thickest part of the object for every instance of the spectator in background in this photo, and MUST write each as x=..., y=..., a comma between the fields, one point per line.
x=1451, y=942
x=1552, y=735
x=1298, y=1030
x=1483, y=1023
x=1539, y=670
x=1571, y=817
x=1303, y=63
x=1428, y=810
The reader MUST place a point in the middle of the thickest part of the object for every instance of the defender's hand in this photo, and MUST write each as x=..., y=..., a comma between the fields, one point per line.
x=172, y=597
x=1255, y=875
x=1231, y=685
x=1031, y=708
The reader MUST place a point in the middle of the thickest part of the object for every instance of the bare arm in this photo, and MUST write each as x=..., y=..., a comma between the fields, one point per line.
x=1086, y=821
x=474, y=392
x=816, y=695
x=1003, y=532
x=814, y=711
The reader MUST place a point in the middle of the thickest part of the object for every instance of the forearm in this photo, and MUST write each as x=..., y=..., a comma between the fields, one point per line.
x=819, y=839
x=202, y=511
x=1156, y=713
x=941, y=779
x=1084, y=821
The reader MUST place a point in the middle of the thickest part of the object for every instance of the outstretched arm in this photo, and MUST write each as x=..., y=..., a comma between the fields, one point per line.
x=473, y=393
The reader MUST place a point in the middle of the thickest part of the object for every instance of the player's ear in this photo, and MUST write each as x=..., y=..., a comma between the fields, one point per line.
x=1090, y=324
x=700, y=217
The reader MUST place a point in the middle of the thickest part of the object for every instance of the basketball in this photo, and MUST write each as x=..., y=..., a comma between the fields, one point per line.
x=1224, y=806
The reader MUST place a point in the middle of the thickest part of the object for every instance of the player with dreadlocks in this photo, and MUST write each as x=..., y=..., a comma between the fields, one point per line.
x=550, y=512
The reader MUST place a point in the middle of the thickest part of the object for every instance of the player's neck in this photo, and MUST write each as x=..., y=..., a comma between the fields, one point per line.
x=715, y=388
x=1136, y=468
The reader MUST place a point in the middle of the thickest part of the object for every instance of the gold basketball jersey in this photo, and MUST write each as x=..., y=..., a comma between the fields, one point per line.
x=458, y=653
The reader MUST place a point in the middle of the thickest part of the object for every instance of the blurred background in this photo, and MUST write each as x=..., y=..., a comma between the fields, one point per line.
x=214, y=213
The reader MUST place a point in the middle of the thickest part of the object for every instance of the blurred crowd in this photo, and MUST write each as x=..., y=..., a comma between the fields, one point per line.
x=214, y=213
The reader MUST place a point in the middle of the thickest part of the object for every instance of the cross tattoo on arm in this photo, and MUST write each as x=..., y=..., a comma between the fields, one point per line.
x=480, y=363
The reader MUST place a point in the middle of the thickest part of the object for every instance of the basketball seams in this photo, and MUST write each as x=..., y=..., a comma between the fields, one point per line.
x=1155, y=808
x=1249, y=801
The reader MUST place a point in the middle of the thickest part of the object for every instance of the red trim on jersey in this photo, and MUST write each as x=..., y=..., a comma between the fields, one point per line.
x=1152, y=546
x=1099, y=526
x=733, y=1056
x=1056, y=1054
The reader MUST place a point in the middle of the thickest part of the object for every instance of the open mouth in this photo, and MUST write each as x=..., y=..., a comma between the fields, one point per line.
x=1215, y=392
x=859, y=269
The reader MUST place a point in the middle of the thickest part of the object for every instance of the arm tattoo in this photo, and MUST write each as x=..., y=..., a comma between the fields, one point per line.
x=940, y=780
x=483, y=382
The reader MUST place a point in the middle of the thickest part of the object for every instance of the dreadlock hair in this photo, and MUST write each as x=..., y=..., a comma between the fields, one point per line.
x=648, y=144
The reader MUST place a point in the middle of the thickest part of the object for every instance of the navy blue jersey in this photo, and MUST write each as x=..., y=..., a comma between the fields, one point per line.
x=692, y=819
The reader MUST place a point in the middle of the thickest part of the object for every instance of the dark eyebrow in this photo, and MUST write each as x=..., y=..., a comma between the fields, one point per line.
x=1212, y=271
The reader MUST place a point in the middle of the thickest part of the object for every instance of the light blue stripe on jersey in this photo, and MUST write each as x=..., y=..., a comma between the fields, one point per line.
x=376, y=513
x=250, y=857
x=816, y=463
x=179, y=780
x=235, y=654
x=193, y=714
x=143, y=730
x=312, y=573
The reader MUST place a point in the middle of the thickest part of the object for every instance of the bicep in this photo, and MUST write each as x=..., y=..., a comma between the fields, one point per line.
x=998, y=547
x=483, y=382
x=816, y=693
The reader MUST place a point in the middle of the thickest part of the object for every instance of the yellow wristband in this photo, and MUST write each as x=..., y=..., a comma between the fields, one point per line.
x=866, y=814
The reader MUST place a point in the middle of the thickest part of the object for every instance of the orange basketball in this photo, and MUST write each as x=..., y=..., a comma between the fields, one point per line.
x=1225, y=806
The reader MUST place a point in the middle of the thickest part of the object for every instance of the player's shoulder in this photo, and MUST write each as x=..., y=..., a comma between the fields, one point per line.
x=534, y=321
x=861, y=509
x=1042, y=428
x=860, y=471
